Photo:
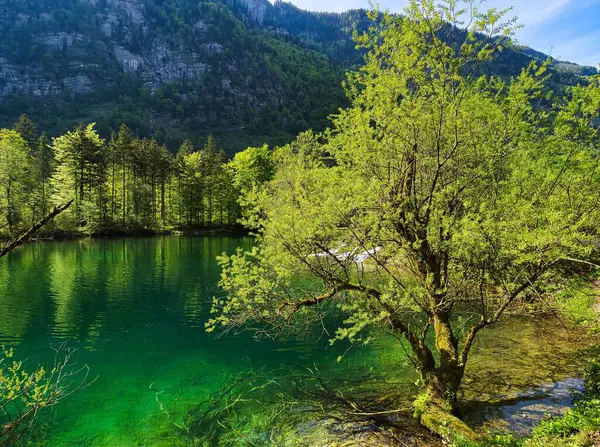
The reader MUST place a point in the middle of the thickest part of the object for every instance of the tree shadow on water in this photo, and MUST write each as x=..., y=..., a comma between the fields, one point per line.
x=287, y=408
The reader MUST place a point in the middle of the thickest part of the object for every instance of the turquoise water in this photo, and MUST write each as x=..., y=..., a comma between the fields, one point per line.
x=135, y=309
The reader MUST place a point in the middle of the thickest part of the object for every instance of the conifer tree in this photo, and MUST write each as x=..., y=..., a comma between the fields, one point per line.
x=42, y=170
x=25, y=127
x=185, y=149
x=81, y=162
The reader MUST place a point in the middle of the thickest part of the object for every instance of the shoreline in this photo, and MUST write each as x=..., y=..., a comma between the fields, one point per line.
x=228, y=230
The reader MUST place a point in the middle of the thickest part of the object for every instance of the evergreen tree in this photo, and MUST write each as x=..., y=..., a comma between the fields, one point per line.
x=179, y=168
x=164, y=172
x=193, y=181
x=212, y=162
x=81, y=162
x=42, y=170
x=26, y=129
x=121, y=156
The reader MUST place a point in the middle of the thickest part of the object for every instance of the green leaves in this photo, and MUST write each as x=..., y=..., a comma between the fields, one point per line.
x=460, y=191
x=23, y=394
x=81, y=162
x=15, y=167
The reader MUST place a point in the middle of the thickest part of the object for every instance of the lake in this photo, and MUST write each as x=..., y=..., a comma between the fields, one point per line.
x=135, y=310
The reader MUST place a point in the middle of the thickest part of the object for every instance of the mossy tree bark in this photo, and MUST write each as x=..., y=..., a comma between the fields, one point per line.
x=437, y=408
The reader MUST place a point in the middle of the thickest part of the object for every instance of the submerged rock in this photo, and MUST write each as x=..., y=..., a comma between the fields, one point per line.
x=520, y=413
x=534, y=405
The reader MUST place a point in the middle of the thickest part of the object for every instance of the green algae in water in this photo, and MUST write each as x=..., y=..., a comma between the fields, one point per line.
x=135, y=309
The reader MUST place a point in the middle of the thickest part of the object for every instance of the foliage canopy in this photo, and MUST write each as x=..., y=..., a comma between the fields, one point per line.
x=438, y=193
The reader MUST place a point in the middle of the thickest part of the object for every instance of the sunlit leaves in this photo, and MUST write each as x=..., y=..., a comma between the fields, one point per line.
x=467, y=189
x=15, y=166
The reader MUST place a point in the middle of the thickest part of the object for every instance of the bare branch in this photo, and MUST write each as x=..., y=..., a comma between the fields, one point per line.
x=27, y=235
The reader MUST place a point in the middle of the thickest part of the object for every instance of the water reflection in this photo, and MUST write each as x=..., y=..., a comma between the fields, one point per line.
x=136, y=310
x=78, y=289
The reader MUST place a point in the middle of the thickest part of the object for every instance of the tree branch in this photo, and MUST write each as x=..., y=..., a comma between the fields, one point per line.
x=26, y=236
x=497, y=315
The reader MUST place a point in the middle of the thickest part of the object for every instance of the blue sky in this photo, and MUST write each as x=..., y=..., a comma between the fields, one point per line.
x=568, y=29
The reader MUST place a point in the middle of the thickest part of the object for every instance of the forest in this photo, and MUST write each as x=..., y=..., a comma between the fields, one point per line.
x=248, y=73
x=124, y=185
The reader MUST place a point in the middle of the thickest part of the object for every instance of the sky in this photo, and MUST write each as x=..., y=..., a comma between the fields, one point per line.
x=567, y=29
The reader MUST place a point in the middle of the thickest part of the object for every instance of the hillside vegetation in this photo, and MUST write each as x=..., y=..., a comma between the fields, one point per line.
x=246, y=71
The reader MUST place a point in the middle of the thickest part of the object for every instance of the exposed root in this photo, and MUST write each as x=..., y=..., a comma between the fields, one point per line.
x=437, y=416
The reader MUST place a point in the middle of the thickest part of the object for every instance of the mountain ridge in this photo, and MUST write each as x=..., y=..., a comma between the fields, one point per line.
x=248, y=70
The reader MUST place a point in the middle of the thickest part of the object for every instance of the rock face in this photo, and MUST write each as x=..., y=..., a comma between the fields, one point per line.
x=176, y=65
x=36, y=83
x=166, y=65
x=256, y=10
x=123, y=34
x=129, y=62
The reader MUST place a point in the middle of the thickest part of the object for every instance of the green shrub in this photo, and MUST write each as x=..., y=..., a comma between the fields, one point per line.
x=577, y=300
x=494, y=440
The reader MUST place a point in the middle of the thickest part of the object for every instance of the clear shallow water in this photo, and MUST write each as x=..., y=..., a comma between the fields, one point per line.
x=548, y=400
x=135, y=309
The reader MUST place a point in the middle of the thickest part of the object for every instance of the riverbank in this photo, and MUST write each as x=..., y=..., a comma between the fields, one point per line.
x=227, y=230
x=521, y=370
x=544, y=392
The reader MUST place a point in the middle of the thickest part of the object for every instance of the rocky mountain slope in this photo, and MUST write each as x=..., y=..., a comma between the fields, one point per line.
x=247, y=70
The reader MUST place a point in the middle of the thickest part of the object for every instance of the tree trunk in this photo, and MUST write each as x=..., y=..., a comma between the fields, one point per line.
x=179, y=200
x=43, y=196
x=124, y=193
x=162, y=202
x=437, y=407
x=210, y=208
x=135, y=193
x=450, y=371
x=9, y=210
x=153, y=181
x=190, y=208
x=112, y=192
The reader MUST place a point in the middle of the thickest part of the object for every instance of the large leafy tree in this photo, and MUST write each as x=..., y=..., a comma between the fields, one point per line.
x=250, y=169
x=438, y=193
x=253, y=166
